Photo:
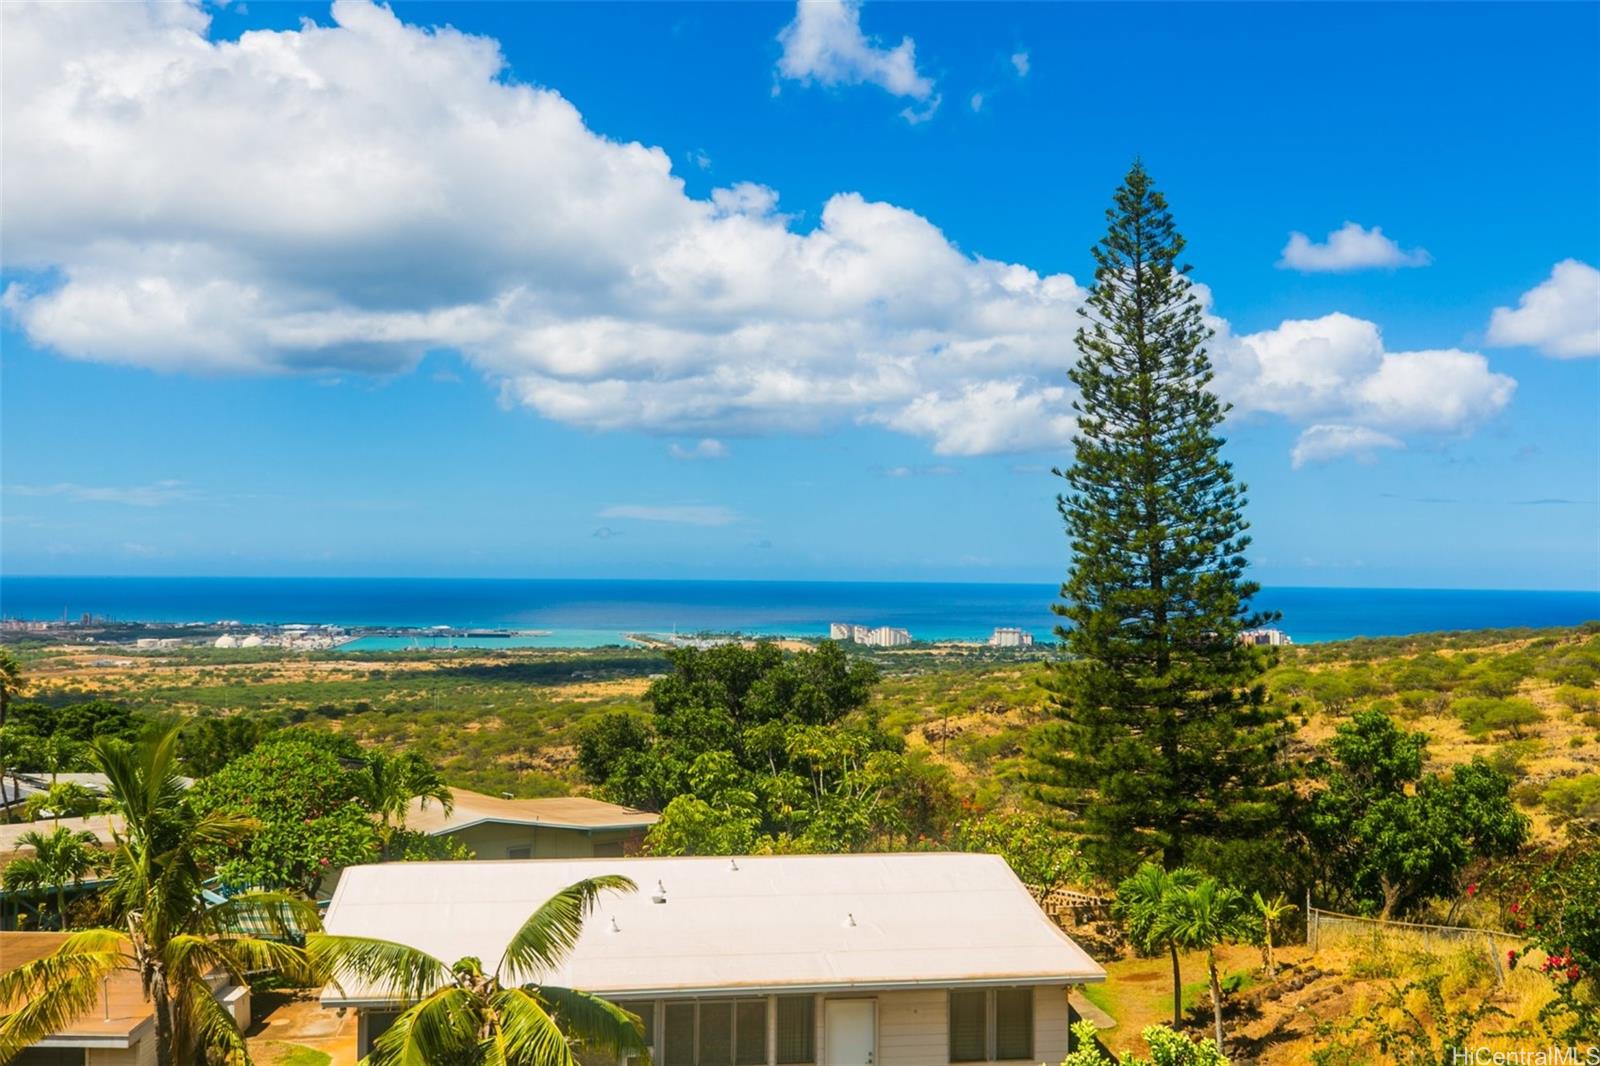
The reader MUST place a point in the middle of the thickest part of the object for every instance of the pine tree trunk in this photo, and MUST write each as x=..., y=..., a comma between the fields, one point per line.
x=1177, y=989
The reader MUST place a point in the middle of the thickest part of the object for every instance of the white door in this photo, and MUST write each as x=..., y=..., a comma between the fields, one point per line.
x=850, y=1032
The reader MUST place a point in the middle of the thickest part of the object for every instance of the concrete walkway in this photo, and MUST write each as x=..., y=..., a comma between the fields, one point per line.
x=1089, y=1012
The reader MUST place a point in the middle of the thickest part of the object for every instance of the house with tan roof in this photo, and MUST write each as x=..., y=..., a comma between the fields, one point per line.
x=119, y=1030
x=556, y=827
x=926, y=959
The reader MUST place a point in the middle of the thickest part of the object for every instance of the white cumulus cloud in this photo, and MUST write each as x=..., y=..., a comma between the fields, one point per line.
x=1560, y=316
x=1350, y=247
x=1323, y=442
x=346, y=197
x=1336, y=374
x=824, y=45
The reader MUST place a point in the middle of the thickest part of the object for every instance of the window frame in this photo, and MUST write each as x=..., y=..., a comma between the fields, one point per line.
x=991, y=1024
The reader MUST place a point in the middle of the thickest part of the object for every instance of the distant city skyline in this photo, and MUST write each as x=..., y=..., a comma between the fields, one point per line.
x=754, y=291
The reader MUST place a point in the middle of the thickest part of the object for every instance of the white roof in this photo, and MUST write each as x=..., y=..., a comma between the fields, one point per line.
x=773, y=923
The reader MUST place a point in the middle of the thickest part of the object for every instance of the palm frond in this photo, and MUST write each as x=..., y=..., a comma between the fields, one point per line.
x=211, y=1026
x=277, y=914
x=530, y=1035
x=595, y=1022
x=248, y=954
x=408, y=973
x=552, y=930
x=439, y=1031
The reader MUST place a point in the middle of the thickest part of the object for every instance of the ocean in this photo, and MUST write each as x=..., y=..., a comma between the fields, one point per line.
x=591, y=613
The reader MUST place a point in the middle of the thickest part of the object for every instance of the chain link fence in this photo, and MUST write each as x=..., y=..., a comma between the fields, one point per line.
x=1332, y=929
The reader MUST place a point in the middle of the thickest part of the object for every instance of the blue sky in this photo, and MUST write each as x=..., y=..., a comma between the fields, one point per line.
x=756, y=291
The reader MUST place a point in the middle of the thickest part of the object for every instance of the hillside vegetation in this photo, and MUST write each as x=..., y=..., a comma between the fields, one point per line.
x=1526, y=700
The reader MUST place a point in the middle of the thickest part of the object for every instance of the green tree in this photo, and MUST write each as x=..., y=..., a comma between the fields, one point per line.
x=1039, y=853
x=1574, y=802
x=168, y=936
x=387, y=784
x=1163, y=732
x=1141, y=906
x=462, y=1015
x=1202, y=917
x=210, y=742
x=1483, y=715
x=303, y=804
x=61, y=859
x=12, y=682
x=749, y=749
x=1386, y=836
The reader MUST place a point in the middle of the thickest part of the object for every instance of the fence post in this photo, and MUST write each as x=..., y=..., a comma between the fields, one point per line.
x=1311, y=923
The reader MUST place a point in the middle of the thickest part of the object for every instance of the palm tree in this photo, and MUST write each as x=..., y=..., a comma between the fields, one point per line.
x=1268, y=913
x=387, y=785
x=65, y=800
x=1140, y=904
x=12, y=683
x=1201, y=916
x=169, y=937
x=463, y=1015
x=59, y=859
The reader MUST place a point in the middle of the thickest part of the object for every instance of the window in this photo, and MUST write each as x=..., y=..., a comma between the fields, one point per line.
x=1013, y=1023
x=797, y=1030
x=646, y=1010
x=989, y=1025
x=716, y=1035
x=525, y=851
x=750, y=1033
x=729, y=1032
x=680, y=1034
x=969, y=1026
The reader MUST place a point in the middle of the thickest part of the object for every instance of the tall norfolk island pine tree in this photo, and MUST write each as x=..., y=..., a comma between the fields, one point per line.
x=1163, y=738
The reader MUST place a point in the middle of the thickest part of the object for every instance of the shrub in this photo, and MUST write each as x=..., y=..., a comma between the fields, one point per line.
x=1482, y=716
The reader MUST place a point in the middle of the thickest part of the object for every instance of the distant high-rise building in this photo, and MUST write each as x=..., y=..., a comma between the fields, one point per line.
x=887, y=637
x=1272, y=638
x=881, y=637
x=1010, y=637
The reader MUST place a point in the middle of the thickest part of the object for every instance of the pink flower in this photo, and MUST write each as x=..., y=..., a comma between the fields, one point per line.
x=1472, y=890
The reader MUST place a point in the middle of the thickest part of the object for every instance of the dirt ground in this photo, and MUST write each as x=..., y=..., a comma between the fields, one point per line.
x=297, y=1018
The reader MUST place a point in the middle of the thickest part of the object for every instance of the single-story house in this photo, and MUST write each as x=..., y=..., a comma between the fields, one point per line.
x=924, y=959
x=120, y=1031
x=559, y=827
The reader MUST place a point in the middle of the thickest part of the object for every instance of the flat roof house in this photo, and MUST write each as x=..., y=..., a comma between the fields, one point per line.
x=557, y=827
x=120, y=1030
x=921, y=959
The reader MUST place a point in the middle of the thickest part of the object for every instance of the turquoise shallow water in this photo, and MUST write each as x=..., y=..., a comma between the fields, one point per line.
x=587, y=613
